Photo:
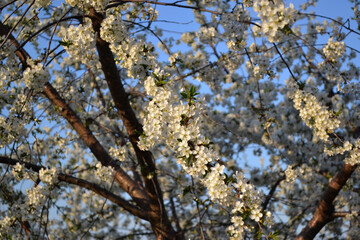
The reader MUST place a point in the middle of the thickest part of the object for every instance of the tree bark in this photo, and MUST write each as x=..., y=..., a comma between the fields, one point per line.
x=324, y=211
x=157, y=215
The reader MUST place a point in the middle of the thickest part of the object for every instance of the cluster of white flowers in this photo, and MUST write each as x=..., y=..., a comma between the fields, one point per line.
x=315, y=115
x=215, y=183
x=99, y=5
x=245, y=190
x=235, y=28
x=206, y=34
x=290, y=174
x=347, y=146
x=113, y=29
x=37, y=196
x=188, y=38
x=118, y=153
x=105, y=174
x=173, y=58
x=41, y=3
x=48, y=175
x=135, y=56
x=321, y=27
x=18, y=171
x=5, y=227
x=13, y=127
x=258, y=67
x=178, y=125
x=354, y=155
x=35, y=76
x=275, y=17
x=79, y=43
x=334, y=50
x=237, y=228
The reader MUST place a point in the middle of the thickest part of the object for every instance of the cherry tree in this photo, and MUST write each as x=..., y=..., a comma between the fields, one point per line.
x=244, y=124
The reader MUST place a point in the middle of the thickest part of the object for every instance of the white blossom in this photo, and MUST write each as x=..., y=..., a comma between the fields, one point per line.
x=48, y=176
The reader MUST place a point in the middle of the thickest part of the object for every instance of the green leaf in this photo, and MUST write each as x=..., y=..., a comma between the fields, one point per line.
x=156, y=76
x=274, y=235
x=258, y=234
x=65, y=43
x=230, y=179
x=190, y=94
x=160, y=81
x=287, y=29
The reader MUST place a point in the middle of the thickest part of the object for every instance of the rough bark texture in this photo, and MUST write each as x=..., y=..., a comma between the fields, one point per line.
x=324, y=211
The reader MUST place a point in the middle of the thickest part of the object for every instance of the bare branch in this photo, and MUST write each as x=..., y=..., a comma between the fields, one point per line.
x=117, y=3
x=271, y=193
x=332, y=19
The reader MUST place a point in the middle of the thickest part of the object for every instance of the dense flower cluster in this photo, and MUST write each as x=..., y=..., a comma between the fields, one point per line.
x=334, y=50
x=354, y=155
x=79, y=43
x=48, y=176
x=41, y=3
x=235, y=28
x=118, y=153
x=290, y=174
x=36, y=197
x=135, y=56
x=259, y=65
x=35, y=76
x=14, y=130
x=104, y=173
x=347, y=146
x=315, y=115
x=99, y=5
x=113, y=29
x=5, y=227
x=276, y=19
x=171, y=121
x=18, y=171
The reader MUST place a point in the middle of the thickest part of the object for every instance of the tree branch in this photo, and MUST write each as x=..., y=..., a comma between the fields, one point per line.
x=271, y=193
x=158, y=215
x=117, y=3
x=122, y=178
x=20, y=53
x=324, y=212
x=85, y=184
x=122, y=104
